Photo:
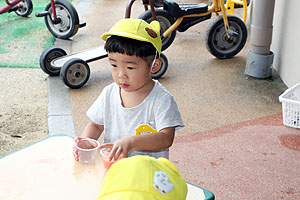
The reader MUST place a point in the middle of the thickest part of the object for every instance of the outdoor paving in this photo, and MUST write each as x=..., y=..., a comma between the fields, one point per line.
x=255, y=159
x=234, y=143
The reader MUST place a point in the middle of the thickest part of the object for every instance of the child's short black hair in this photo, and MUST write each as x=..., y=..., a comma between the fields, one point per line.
x=128, y=46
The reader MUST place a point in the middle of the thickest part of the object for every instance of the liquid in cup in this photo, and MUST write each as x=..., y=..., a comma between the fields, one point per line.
x=87, y=150
x=106, y=162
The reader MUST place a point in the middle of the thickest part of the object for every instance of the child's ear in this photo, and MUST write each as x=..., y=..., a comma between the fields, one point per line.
x=156, y=66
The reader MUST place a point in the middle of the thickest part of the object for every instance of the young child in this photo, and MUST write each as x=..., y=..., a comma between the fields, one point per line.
x=137, y=115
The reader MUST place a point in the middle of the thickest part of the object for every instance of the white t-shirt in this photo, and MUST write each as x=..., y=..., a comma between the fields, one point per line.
x=158, y=111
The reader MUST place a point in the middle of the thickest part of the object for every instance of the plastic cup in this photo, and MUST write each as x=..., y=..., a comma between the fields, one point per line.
x=105, y=158
x=87, y=150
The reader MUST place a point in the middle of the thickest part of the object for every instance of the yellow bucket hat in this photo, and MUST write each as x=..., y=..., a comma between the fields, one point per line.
x=137, y=29
x=143, y=178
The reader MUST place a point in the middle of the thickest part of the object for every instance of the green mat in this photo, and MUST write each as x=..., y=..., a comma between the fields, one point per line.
x=22, y=40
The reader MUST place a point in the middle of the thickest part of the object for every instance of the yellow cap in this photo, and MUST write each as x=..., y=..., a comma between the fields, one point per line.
x=143, y=178
x=137, y=29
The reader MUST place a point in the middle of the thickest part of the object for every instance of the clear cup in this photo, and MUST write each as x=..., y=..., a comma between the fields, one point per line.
x=87, y=150
x=105, y=158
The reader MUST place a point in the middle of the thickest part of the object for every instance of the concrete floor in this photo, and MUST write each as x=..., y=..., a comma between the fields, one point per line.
x=234, y=143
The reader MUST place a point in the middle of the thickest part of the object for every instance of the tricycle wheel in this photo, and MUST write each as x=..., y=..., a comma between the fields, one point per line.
x=46, y=58
x=163, y=68
x=25, y=8
x=75, y=73
x=165, y=21
x=217, y=42
x=69, y=20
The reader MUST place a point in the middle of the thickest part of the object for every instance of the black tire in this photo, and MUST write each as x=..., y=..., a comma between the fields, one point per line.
x=69, y=24
x=75, y=73
x=165, y=21
x=217, y=42
x=46, y=58
x=163, y=68
x=25, y=8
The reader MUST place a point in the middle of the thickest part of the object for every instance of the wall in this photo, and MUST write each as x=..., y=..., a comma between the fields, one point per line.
x=286, y=40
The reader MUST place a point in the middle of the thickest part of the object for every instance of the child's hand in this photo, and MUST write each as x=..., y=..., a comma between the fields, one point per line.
x=75, y=150
x=120, y=148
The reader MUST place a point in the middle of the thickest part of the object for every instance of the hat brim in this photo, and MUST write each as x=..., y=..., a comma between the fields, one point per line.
x=104, y=37
x=130, y=195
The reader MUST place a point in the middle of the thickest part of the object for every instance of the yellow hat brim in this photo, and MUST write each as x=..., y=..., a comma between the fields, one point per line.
x=136, y=29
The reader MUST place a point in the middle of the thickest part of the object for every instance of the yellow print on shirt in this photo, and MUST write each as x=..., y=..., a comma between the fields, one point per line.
x=145, y=129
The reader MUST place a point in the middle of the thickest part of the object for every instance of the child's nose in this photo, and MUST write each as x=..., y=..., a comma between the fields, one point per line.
x=122, y=73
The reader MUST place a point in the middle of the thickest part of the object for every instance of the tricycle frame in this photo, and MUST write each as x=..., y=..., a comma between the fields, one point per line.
x=217, y=7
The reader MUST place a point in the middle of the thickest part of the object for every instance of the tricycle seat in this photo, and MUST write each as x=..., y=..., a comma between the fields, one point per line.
x=178, y=10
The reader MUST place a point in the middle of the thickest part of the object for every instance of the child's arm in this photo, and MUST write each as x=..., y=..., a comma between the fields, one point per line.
x=155, y=141
x=149, y=142
x=91, y=130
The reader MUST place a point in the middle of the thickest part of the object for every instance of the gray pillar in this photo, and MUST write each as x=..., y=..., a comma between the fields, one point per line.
x=260, y=58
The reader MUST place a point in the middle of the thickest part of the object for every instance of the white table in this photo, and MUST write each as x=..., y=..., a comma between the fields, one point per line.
x=47, y=170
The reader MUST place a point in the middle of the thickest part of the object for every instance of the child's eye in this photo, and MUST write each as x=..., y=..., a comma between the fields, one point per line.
x=114, y=65
x=130, y=68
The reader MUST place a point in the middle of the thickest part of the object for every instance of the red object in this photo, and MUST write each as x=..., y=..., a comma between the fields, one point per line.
x=105, y=157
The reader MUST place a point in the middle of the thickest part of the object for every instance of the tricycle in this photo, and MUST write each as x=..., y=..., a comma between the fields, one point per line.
x=61, y=19
x=22, y=8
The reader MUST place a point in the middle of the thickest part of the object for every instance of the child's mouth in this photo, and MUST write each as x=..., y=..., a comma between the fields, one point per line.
x=123, y=85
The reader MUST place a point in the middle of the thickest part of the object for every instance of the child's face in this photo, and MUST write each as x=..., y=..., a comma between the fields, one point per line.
x=131, y=73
